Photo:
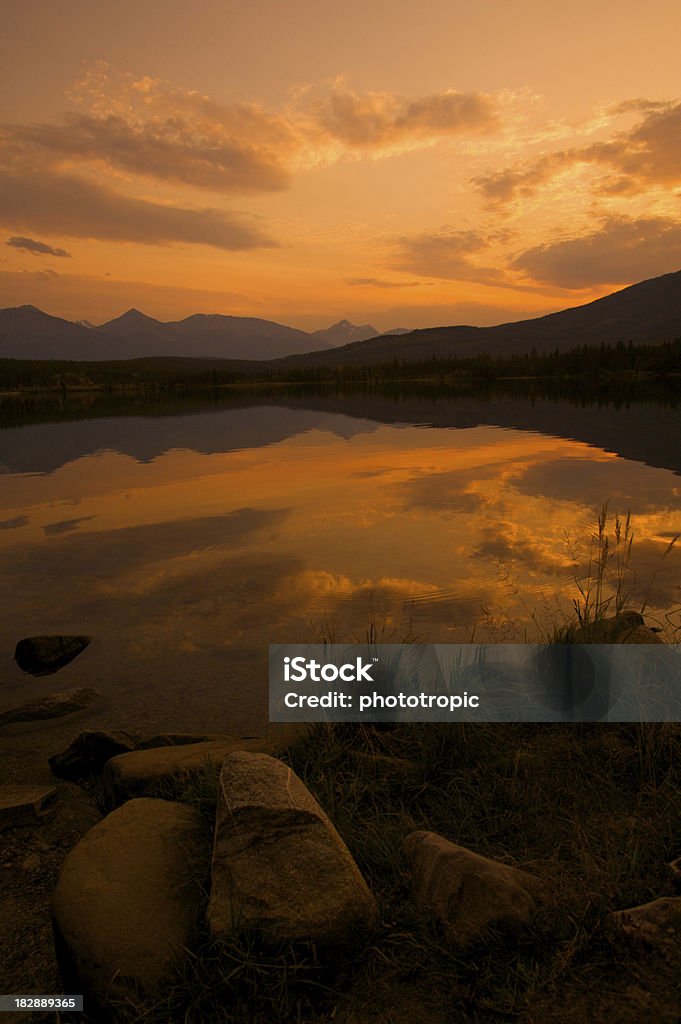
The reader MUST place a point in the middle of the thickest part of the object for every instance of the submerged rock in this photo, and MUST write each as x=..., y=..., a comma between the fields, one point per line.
x=279, y=867
x=469, y=895
x=42, y=655
x=127, y=902
x=89, y=752
x=55, y=705
x=25, y=805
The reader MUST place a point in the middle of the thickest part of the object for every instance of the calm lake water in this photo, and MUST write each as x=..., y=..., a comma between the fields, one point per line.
x=185, y=544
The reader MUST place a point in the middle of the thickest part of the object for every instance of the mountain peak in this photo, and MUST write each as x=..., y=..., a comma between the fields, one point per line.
x=344, y=331
x=132, y=320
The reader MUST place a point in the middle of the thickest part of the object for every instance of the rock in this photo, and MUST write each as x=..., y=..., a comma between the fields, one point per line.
x=657, y=923
x=127, y=901
x=143, y=771
x=25, y=805
x=675, y=868
x=175, y=739
x=42, y=655
x=31, y=862
x=53, y=706
x=469, y=895
x=625, y=628
x=279, y=868
x=89, y=752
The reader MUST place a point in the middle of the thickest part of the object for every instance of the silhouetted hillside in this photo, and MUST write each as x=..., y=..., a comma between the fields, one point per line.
x=648, y=312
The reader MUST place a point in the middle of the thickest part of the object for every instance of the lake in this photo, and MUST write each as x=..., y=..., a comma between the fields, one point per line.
x=185, y=543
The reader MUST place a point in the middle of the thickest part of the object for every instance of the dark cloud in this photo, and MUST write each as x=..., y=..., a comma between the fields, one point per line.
x=38, y=248
x=14, y=523
x=376, y=282
x=444, y=491
x=621, y=250
x=62, y=204
x=65, y=526
x=626, y=486
x=445, y=254
x=382, y=119
x=170, y=149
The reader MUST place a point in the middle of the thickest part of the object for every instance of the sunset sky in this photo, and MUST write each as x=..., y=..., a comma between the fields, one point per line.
x=306, y=161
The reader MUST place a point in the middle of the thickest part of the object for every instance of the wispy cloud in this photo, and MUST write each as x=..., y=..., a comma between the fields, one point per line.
x=632, y=160
x=378, y=282
x=36, y=248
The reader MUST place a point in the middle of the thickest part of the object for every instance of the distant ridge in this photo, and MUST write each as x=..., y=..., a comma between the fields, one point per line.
x=647, y=313
x=28, y=333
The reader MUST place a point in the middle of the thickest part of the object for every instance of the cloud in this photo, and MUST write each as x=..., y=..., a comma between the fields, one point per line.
x=504, y=186
x=152, y=128
x=71, y=206
x=127, y=129
x=634, y=160
x=37, y=248
x=445, y=254
x=376, y=282
x=381, y=119
x=620, y=251
x=198, y=154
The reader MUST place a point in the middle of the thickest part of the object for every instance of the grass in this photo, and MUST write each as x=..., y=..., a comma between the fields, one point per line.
x=593, y=811
x=606, y=583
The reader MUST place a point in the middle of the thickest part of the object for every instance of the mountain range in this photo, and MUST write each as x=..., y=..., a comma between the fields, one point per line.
x=28, y=333
x=647, y=312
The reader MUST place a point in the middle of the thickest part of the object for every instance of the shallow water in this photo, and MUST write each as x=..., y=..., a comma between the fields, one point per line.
x=185, y=544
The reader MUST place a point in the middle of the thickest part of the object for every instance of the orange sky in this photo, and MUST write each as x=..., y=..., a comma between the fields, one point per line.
x=310, y=161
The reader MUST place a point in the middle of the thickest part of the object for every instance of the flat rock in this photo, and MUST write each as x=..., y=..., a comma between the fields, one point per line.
x=42, y=655
x=25, y=805
x=127, y=901
x=469, y=895
x=55, y=705
x=279, y=868
x=657, y=923
x=89, y=752
x=143, y=771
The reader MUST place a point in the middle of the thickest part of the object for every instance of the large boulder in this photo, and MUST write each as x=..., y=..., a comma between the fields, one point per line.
x=127, y=901
x=657, y=924
x=469, y=895
x=55, y=705
x=42, y=655
x=25, y=805
x=142, y=772
x=280, y=869
x=89, y=752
